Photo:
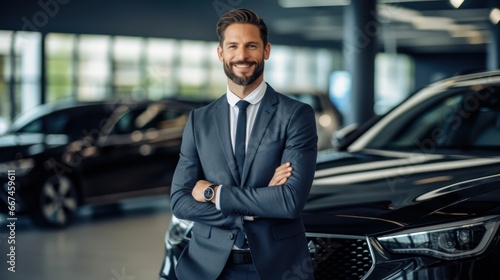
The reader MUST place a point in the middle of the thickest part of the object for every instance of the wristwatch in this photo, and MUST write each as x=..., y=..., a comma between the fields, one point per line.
x=209, y=193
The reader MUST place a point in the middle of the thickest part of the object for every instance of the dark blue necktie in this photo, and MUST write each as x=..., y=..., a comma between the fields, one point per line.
x=241, y=129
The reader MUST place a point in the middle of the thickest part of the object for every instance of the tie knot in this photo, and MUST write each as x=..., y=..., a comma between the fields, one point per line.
x=242, y=104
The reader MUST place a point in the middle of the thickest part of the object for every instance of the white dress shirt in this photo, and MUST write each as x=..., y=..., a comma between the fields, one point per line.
x=254, y=99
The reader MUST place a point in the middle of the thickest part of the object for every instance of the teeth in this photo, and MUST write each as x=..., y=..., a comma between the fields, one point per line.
x=242, y=65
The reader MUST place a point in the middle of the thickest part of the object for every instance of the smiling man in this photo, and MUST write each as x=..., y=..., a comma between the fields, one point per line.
x=234, y=177
x=241, y=54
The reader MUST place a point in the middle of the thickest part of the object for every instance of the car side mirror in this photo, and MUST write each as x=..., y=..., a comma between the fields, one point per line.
x=340, y=137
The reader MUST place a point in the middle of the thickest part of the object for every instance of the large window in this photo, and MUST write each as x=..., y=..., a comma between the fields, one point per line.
x=128, y=66
x=160, y=80
x=94, y=67
x=98, y=67
x=60, y=58
x=20, y=74
x=91, y=67
x=5, y=70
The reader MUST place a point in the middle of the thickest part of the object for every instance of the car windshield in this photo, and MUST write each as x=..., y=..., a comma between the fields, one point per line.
x=464, y=118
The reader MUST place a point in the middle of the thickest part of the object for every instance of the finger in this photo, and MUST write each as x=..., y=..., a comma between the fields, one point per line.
x=283, y=166
x=283, y=170
x=283, y=181
x=280, y=179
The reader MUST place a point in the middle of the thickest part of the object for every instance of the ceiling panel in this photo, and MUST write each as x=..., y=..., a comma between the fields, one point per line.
x=414, y=26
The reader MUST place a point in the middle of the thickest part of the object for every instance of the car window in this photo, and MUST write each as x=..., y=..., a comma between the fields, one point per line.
x=32, y=127
x=74, y=122
x=88, y=121
x=154, y=116
x=57, y=122
x=464, y=118
x=473, y=123
x=53, y=123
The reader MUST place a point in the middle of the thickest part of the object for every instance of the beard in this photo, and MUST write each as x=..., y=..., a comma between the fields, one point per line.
x=243, y=81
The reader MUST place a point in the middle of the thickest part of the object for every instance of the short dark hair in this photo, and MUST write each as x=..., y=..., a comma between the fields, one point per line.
x=241, y=16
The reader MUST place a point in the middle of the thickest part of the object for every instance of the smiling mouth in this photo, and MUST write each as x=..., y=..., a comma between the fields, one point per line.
x=243, y=65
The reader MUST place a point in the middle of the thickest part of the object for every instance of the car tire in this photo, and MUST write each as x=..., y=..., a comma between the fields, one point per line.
x=57, y=202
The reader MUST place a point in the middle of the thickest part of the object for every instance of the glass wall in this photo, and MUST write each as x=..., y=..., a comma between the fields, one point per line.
x=160, y=77
x=5, y=75
x=61, y=66
x=99, y=67
x=393, y=80
x=93, y=70
x=20, y=73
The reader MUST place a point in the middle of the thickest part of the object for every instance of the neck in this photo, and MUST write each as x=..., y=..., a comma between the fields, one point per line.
x=243, y=91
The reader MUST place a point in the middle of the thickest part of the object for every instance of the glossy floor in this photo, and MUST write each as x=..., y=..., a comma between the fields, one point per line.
x=109, y=243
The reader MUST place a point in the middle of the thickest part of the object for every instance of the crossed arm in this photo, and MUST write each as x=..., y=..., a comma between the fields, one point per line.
x=281, y=175
x=284, y=201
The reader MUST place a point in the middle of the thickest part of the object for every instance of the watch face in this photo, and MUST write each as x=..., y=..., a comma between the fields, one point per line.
x=208, y=194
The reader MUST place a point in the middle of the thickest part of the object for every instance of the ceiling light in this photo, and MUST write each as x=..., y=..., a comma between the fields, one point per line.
x=431, y=23
x=456, y=3
x=395, y=13
x=402, y=1
x=312, y=3
x=495, y=16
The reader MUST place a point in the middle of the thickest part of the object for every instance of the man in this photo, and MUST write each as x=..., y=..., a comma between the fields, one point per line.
x=246, y=215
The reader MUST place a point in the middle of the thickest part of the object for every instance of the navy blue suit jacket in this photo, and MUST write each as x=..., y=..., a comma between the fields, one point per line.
x=284, y=131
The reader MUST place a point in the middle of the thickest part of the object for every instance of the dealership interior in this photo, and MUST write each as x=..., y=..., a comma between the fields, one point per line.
x=366, y=57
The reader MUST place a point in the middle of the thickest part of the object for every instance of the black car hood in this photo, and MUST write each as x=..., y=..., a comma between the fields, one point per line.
x=372, y=192
x=17, y=146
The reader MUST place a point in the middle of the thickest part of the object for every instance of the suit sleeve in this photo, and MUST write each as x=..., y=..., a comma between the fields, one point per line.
x=187, y=173
x=286, y=201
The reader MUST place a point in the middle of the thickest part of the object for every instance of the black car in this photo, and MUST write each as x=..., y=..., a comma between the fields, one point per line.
x=415, y=196
x=62, y=155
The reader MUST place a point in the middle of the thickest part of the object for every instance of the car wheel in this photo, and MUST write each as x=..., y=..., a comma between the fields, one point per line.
x=57, y=202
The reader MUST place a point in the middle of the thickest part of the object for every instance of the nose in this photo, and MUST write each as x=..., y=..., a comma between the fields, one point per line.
x=241, y=54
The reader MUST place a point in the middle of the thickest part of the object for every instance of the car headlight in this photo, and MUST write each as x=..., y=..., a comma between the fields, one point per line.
x=449, y=241
x=21, y=166
x=178, y=231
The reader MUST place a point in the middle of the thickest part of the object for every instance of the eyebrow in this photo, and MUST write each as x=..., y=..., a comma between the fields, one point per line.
x=251, y=42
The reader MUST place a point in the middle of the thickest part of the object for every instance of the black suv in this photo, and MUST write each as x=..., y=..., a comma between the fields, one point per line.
x=415, y=195
x=66, y=154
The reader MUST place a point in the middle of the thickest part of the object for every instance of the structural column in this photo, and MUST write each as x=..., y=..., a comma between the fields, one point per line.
x=493, y=51
x=360, y=32
x=43, y=69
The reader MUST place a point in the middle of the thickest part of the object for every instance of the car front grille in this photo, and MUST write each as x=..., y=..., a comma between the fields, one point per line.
x=339, y=257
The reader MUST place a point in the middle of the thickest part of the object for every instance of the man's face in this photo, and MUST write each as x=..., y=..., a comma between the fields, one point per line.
x=243, y=53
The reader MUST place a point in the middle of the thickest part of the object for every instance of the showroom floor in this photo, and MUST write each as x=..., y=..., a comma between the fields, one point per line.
x=105, y=243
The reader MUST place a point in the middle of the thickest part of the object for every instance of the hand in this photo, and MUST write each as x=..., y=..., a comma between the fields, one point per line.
x=281, y=175
x=198, y=190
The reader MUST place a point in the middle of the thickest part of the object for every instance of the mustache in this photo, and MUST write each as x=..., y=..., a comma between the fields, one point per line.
x=242, y=62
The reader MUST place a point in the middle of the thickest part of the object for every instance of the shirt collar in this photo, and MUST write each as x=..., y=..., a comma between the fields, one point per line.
x=254, y=97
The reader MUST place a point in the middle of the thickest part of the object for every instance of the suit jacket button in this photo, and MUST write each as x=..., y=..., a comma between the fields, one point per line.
x=231, y=236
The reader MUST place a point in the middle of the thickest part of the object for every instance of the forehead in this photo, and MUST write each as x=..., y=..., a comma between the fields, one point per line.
x=242, y=32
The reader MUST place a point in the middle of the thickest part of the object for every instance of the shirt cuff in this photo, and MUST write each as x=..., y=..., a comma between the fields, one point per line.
x=217, y=198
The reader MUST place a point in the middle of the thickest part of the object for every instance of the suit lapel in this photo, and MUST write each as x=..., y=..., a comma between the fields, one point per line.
x=221, y=120
x=264, y=115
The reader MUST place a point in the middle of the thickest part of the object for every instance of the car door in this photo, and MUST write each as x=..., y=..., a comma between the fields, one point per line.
x=139, y=154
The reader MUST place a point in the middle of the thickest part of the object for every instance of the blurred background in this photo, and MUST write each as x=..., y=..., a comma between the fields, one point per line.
x=95, y=50
x=351, y=60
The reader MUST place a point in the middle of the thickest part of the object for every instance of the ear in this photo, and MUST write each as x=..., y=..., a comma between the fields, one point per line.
x=267, y=51
x=219, y=52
